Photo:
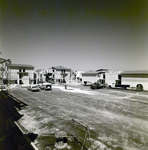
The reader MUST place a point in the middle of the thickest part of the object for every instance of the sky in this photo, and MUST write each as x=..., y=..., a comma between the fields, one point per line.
x=77, y=34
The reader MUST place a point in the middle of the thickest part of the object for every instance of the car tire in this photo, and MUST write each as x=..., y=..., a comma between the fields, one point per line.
x=139, y=87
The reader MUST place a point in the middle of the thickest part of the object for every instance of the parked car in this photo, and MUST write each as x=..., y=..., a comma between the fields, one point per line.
x=87, y=83
x=3, y=88
x=45, y=86
x=33, y=88
x=98, y=84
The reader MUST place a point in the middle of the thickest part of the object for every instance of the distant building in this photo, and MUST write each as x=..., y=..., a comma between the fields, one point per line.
x=79, y=75
x=21, y=74
x=60, y=74
x=4, y=71
x=93, y=76
x=40, y=75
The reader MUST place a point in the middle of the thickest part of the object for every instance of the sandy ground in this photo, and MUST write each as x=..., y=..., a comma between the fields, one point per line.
x=117, y=119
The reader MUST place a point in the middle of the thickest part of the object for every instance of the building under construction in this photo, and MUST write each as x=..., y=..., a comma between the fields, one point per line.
x=15, y=73
x=4, y=70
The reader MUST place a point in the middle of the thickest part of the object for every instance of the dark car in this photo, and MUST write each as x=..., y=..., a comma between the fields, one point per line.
x=97, y=86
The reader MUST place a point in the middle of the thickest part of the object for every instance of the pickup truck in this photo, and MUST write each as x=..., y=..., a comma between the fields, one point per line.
x=97, y=85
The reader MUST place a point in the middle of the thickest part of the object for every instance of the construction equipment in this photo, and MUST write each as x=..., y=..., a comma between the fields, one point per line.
x=63, y=140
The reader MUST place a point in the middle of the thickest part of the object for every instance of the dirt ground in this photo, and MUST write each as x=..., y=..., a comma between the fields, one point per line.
x=117, y=119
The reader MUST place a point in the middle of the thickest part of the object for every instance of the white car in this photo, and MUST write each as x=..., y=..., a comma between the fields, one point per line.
x=33, y=88
x=3, y=88
x=45, y=86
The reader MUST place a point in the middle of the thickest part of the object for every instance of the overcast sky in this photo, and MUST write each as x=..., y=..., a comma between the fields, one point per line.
x=77, y=34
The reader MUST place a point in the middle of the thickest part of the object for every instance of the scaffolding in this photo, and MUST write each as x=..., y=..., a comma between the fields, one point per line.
x=5, y=73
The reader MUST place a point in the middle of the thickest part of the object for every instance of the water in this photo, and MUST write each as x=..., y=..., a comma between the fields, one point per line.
x=117, y=119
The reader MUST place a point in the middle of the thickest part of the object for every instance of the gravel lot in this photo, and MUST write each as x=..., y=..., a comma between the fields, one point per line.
x=116, y=118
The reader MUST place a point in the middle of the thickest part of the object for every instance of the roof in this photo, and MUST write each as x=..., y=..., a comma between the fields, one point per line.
x=18, y=66
x=94, y=72
x=135, y=72
x=40, y=70
x=102, y=70
x=91, y=72
x=60, y=68
x=2, y=60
